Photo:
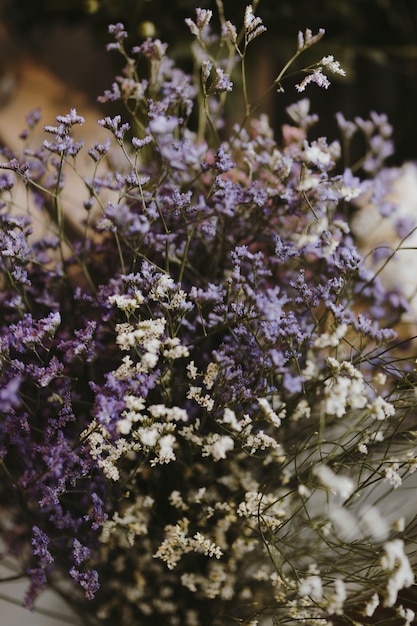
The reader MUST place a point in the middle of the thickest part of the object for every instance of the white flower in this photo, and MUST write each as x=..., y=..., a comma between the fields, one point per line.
x=327, y=340
x=134, y=403
x=211, y=375
x=373, y=524
x=381, y=409
x=334, y=66
x=342, y=486
x=317, y=77
x=127, y=303
x=337, y=599
x=315, y=155
x=396, y=561
x=217, y=446
x=392, y=475
x=206, y=68
x=371, y=605
x=311, y=586
x=308, y=39
x=148, y=436
x=229, y=418
x=195, y=393
x=229, y=31
x=166, y=449
x=304, y=491
x=192, y=371
x=336, y=393
x=253, y=25
x=162, y=125
x=344, y=523
x=407, y=614
x=261, y=441
x=302, y=410
x=174, y=350
x=269, y=412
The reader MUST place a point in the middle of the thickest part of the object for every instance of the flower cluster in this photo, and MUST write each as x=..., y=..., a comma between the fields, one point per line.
x=203, y=409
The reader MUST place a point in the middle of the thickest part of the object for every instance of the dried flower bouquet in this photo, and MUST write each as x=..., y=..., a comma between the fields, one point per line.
x=205, y=415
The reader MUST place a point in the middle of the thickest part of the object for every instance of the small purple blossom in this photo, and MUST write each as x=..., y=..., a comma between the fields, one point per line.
x=152, y=49
x=40, y=543
x=223, y=161
x=203, y=17
x=119, y=33
x=221, y=82
x=9, y=397
x=115, y=126
x=87, y=580
x=80, y=553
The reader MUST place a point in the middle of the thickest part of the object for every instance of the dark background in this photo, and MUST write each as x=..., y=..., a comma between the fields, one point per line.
x=375, y=40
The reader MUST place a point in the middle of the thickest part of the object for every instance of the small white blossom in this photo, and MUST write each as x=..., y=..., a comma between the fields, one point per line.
x=206, y=68
x=218, y=446
x=314, y=154
x=311, y=586
x=316, y=76
x=162, y=125
x=371, y=605
x=308, y=39
x=253, y=25
x=177, y=501
x=373, y=523
x=134, y=403
x=104, y=451
x=396, y=561
x=338, y=484
x=174, y=350
x=392, y=475
x=327, y=340
x=195, y=393
x=229, y=418
x=381, y=409
x=302, y=410
x=343, y=523
x=148, y=436
x=304, y=491
x=334, y=66
x=211, y=374
x=260, y=441
x=338, y=597
x=127, y=303
x=407, y=614
x=192, y=371
x=269, y=412
x=229, y=31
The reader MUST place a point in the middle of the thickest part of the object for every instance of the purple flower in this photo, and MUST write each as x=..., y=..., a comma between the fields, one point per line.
x=38, y=582
x=223, y=161
x=115, y=126
x=80, y=553
x=214, y=306
x=9, y=394
x=221, y=82
x=118, y=30
x=40, y=543
x=87, y=580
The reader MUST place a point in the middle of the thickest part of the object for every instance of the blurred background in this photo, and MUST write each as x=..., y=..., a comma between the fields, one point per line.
x=375, y=40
